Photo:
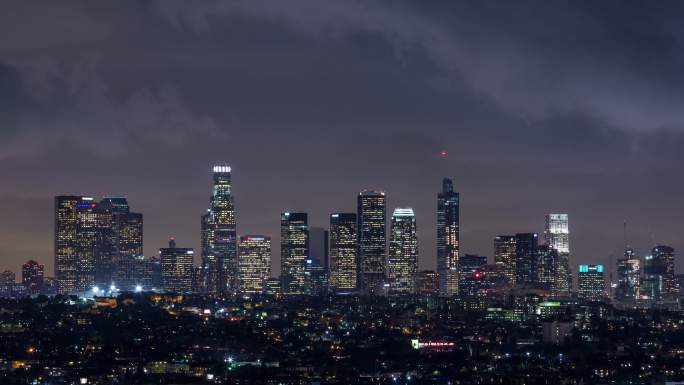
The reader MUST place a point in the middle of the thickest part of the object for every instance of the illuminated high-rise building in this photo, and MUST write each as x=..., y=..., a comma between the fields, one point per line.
x=628, y=277
x=526, y=258
x=505, y=257
x=666, y=255
x=90, y=226
x=315, y=277
x=32, y=274
x=219, y=236
x=372, y=241
x=659, y=277
x=128, y=230
x=547, y=268
x=448, y=229
x=176, y=268
x=557, y=236
x=135, y=272
x=66, y=256
x=121, y=243
x=254, y=263
x=343, y=248
x=591, y=285
x=294, y=250
x=402, y=262
x=105, y=253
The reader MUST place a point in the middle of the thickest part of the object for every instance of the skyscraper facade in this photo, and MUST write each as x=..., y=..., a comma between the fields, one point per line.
x=135, y=272
x=128, y=238
x=557, y=236
x=254, y=263
x=90, y=226
x=402, y=262
x=294, y=250
x=66, y=256
x=121, y=241
x=628, y=270
x=219, y=236
x=315, y=277
x=591, y=285
x=32, y=275
x=448, y=229
x=372, y=241
x=659, y=277
x=343, y=248
x=547, y=268
x=176, y=268
x=526, y=258
x=505, y=257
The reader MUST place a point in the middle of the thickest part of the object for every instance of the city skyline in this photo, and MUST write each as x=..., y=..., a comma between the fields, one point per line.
x=425, y=260
x=309, y=108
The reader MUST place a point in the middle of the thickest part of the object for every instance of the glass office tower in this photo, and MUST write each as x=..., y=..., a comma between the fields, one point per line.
x=372, y=241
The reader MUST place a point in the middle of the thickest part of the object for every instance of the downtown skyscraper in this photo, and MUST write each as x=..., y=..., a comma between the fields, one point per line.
x=402, y=262
x=628, y=270
x=557, y=236
x=219, y=236
x=372, y=241
x=254, y=263
x=659, y=278
x=526, y=258
x=66, y=253
x=505, y=257
x=591, y=284
x=122, y=242
x=547, y=268
x=343, y=248
x=176, y=268
x=92, y=251
x=294, y=251
x=448, y=230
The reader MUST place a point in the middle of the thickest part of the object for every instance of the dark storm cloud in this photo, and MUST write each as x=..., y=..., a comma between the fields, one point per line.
x=543, y=106
x=537, y=58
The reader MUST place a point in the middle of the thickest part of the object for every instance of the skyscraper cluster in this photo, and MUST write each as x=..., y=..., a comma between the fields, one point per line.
x=95, y=242
x=99, y=248
x=524, y=260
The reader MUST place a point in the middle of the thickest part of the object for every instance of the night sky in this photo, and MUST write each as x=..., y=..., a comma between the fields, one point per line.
x=543, y=106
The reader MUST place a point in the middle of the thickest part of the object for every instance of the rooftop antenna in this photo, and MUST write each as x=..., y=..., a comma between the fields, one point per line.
x=624, y=234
